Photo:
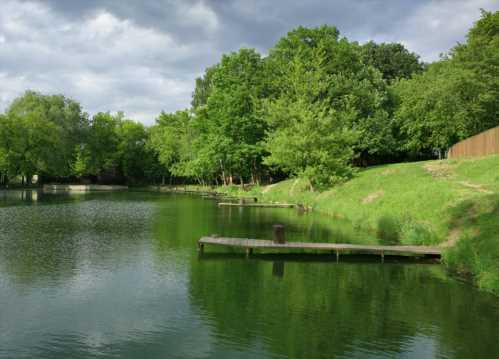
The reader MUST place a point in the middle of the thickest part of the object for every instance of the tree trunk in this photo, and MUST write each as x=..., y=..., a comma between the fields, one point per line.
x=223, y=172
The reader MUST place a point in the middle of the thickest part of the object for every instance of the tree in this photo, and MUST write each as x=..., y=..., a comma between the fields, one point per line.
x=118, y=150
x=434, y=109
x=480, y=54
x=203, y=88
x=228, y=123
x=31, y=145
x=315, y=143
x=136, y=161
x=323, y=97
x=393, y=60
x=99, y=156
x=170, y=139
x=44, y=132
x=456, y=97
x=4, y=162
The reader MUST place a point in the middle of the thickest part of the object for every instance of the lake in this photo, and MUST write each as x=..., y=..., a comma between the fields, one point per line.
x=117, y=275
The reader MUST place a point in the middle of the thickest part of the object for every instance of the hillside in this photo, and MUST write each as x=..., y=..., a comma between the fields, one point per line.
x=453, y=203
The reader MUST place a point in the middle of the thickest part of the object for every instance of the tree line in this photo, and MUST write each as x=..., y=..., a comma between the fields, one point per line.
x=317, y=106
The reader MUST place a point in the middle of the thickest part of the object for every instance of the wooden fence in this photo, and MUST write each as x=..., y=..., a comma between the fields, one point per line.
x=485, y=143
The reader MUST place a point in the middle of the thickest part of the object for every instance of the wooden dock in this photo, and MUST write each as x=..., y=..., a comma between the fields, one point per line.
x=335, y=248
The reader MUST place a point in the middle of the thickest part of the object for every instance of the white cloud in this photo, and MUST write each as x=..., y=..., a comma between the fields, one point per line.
x=437, y=26
x=142, y=57
x=201, y=15
x=105, y=62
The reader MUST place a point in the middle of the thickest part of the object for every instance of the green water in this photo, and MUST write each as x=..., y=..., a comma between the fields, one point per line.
x=118, y=276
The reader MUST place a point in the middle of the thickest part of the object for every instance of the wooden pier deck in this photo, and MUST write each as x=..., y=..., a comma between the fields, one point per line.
x=337, y=248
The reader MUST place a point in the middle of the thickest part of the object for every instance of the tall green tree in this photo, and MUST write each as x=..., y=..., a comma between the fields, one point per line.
x=171, y=138
x=137, y=162
x=4, y=161
x=457, y=97
x=435, y=108
x=117, y=149
x=229, y=123
x=480, y=54
x=325, y=100
x=43, y=134
x=393, y=60
x=203, y=88
x=100, y=154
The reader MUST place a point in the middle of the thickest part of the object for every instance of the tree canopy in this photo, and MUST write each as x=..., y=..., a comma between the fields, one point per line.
x=456, y=97
x=40, y=133
x=317, y=106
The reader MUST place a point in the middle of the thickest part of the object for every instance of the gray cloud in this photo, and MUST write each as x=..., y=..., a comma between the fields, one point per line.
x=142, y=57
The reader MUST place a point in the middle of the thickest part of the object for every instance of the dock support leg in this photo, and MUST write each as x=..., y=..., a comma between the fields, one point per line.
x=200, y=248
x=337, y=256
x=382, y=257
x=248, y=252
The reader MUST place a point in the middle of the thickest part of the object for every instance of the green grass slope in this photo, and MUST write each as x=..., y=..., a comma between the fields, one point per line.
x=453, y=203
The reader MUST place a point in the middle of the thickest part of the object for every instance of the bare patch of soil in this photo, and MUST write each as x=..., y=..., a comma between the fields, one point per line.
x=388, y=172
x=439, y=170
x=372, y=196
x=295, y=182
x=268, y=188
x=452, y=238
x=475, y=186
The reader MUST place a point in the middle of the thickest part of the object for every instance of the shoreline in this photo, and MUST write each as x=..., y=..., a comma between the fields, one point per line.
x=456, y=255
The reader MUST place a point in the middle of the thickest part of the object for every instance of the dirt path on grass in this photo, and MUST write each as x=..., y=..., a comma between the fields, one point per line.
x=475, y=186
x=444, y=171
x=372, y=196
x=268, y=188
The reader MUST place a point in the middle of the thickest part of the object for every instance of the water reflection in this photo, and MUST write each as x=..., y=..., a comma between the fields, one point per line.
x=118, y=275
x=14, y=196
x=278, y=269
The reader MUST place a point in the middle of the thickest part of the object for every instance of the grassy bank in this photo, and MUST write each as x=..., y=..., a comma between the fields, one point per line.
x=452, y=203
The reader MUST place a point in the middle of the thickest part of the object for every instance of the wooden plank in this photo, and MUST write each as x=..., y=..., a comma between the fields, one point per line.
x=261, y=205
x=338, y=247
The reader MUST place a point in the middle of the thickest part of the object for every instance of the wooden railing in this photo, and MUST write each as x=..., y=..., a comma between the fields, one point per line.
x=482, y=144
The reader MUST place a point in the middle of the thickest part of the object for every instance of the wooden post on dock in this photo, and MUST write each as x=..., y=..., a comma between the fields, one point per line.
x=279, y=233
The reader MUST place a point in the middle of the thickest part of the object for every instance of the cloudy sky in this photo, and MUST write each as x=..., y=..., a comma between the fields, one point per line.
x=142, y=57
